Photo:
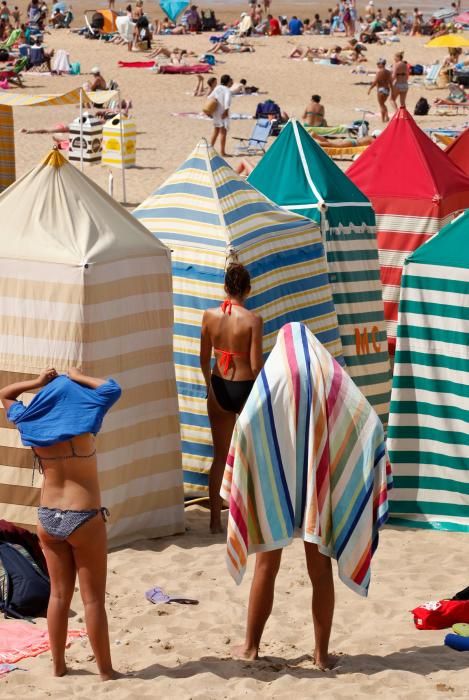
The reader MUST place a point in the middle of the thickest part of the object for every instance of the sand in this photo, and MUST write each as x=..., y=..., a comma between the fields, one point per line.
x=183, y=651
x=178, y=651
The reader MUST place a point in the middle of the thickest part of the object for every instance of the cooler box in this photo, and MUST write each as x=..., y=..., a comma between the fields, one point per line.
x=92, y=140
x=119, y=149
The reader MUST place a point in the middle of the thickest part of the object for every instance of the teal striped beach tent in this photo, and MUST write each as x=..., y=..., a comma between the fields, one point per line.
x=429, y=416
x=298, y=175
x=208, y=215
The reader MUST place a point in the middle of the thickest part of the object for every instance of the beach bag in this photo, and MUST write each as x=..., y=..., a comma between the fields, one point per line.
x=75, y=68
x=210, y=106
x=14, y=534
x=437, y=615
x=416, y=70
x=24, y=588
x=422, y=107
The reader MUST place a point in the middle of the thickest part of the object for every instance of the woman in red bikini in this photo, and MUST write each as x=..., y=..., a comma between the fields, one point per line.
x=235, y=336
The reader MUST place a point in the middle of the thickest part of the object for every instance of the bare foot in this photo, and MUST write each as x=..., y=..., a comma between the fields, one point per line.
x=325, y=663
x=60, y=670
x=113, y=675
x=241, y=651
x=226, y=155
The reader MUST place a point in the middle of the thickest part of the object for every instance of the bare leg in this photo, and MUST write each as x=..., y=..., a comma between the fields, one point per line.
x=402, y=98
x=222, y=424
x=61, y=565
x=320, y=574
x=216, y=131
x=223, y=133
x=89, y=544
x=261, y=600
x=394, y=94
x=382, y=106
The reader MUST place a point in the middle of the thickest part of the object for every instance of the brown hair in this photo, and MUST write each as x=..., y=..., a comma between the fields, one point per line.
x=237, y=280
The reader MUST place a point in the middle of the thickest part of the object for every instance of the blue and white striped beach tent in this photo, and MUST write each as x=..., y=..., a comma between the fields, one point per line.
x=209, y=215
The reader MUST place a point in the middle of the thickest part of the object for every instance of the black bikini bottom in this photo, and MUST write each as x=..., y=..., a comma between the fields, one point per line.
x=231, y=395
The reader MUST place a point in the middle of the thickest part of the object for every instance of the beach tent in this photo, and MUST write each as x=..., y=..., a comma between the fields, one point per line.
x=415, y=190
x=458, y=151
x=296, y=174
x=83, y=283
x=209, y=215
x=173, y=8
x=8, y=100
x=429, y=420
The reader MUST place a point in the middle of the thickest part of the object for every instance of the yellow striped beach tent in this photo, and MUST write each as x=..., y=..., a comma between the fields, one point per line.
x=8, y=100
x=429, y=419
x=207, y=214
x=296, y=174
x=83, y=283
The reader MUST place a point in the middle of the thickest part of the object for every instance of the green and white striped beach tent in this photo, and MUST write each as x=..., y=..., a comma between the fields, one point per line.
x=429, y=417
x=298, y=175
x=207, y=215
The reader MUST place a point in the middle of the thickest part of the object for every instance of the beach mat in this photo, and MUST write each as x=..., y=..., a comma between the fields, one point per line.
x=176, y=70
x=21, y=640
x=136, y=64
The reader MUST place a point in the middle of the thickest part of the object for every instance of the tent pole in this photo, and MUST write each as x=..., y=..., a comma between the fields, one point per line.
x=124, y=194
x=81, y=130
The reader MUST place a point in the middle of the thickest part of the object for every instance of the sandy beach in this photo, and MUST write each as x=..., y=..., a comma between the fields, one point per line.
x=183, y=651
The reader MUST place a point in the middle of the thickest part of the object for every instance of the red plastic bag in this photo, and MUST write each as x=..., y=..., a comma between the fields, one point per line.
x=438, y=615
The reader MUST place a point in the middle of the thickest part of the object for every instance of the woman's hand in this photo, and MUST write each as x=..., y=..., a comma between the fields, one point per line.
x=74, y=373
x=46, y=376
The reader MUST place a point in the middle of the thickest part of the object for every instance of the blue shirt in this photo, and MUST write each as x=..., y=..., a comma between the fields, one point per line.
x=295, y=27
x=61, y=410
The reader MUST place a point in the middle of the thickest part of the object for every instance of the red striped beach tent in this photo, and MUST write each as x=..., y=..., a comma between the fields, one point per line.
x=428, y=435
x=84, y=283
x=458, y=151
x=415, y=189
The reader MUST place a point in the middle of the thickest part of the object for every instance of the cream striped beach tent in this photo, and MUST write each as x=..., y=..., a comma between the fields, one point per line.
x=83, y=283
x=207, y=214
x=429, y=420
x=296, y=174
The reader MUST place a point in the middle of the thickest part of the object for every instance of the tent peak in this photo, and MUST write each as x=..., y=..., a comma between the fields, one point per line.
x=54, y=158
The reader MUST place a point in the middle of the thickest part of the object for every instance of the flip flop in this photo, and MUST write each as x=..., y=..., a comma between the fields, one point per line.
x=461, y=628
x=157, y=595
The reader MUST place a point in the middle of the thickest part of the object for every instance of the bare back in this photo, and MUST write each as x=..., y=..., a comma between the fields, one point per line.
x=383, y=78
x=233, y=333
x=70, y=482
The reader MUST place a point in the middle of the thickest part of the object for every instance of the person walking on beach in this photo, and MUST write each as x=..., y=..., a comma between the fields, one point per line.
x=400, y=80
x=60, y=425
x=221, y=116
x=234, y=334
x=383, y=84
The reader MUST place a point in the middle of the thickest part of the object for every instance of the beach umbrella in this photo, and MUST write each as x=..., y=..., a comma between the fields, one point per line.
x=448, y=41
x=173, y=8
x=59, y=7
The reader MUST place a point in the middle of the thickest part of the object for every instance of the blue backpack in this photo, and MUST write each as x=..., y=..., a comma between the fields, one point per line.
x=24, y=587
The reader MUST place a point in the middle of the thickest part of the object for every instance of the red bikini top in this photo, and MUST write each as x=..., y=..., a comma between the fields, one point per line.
x=226, y=358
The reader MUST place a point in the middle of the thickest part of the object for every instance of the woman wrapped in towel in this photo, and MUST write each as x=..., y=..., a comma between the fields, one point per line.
x=307, y=457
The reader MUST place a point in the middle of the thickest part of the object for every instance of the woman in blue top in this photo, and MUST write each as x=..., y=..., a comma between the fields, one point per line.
x=60, y=425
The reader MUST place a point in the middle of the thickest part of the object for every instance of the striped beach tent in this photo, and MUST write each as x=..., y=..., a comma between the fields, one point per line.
x=296, y=174
x=415, y=190
x=8, y=100
x=429, y=419
x=207, y=215
x=458, y=151
x=83, y=283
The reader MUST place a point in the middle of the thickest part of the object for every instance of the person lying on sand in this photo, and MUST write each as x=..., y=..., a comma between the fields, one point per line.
x=204, y=91
x=242, y=88
x=223, y=47
x=305, y=52
x=349, y=142
x=176, y=56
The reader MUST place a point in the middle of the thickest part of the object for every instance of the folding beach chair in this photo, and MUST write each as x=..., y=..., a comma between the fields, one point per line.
x=431, y=79
x=257, y=142
x=13, y=74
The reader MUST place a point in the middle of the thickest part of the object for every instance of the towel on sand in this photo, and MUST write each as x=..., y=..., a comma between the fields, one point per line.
x=20, y=640
x=136, y=64
x=307, y=454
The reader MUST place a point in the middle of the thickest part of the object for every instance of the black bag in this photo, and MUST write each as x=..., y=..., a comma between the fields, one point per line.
x=422, y=107
x=416, y=70
x=24, y=588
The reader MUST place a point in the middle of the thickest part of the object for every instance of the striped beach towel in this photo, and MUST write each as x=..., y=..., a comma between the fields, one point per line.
x=307, y=455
